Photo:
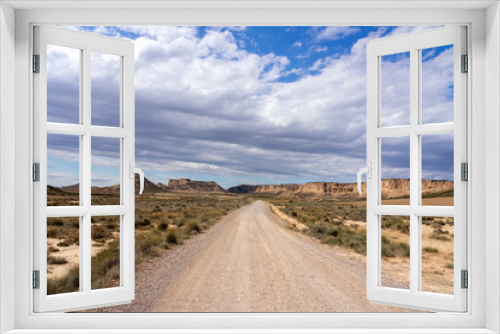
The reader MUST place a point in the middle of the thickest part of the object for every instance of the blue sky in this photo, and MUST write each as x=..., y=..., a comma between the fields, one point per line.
x=248, y=105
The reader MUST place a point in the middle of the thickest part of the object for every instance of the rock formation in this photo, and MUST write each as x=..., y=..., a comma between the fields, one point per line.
x=194, y=186
x=391, y=188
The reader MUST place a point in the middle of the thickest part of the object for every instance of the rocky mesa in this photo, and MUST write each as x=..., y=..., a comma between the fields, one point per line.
x=391, y=188
x=189, y=185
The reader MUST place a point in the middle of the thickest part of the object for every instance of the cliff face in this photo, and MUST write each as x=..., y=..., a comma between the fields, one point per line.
x=390, y=188
x=189, y=185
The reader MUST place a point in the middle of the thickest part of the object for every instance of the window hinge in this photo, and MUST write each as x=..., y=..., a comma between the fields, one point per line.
x=465, y=279
x=464, y=171
x=36, y=63
x=465, y=64
x=36, y=172
x=36, y=279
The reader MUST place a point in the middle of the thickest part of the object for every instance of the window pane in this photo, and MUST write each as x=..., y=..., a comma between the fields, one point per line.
x=437, y=254
x=395, y=89
x=395, y=171
x=105, y=83
x=105, y=252
x=437, y=84
x=63, y=84
x=437, y=169
x=395, y=252
x=63, y=170
x=105, y=171
x=63, y=255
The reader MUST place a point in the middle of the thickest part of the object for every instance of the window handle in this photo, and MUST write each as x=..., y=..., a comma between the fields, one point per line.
x=368, y=171
x=134, y=170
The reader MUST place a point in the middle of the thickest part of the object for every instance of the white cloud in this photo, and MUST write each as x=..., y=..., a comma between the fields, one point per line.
x=297, y=45
x=206, y=106
x=335, y=33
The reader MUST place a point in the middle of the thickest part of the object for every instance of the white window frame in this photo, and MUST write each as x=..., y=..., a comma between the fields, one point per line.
x=85, y=43
x=483, y=102
x=413, y=44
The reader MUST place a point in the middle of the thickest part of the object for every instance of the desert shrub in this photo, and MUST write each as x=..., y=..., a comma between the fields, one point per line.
x=74, y=223
x=396, y=223
x=163, y=226
x=147, y=244
x=431, y=250
x=172, y=237
x=52, y=232
x=63, y=244
x=449, y=265
x=394, y=249
x=318, y=229
x=56, y=260
x=142, y=223
x=193, y=226
x=112, y=225
x=439, y=237
x=52, y=249
x=67, y=283
x=55, y=222
x=100, y=234
x=346, y=237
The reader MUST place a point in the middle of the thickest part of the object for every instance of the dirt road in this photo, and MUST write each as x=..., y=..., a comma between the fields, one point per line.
x=251, y=262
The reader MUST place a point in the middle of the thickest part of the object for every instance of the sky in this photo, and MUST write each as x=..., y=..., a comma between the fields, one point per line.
x=249, y=105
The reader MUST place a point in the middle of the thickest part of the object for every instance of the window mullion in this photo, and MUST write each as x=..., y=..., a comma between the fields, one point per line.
x=85, y=244
x=414, y=171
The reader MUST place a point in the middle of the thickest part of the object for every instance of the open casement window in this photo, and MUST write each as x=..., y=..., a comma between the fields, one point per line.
x=410, y=127
x=84, y=121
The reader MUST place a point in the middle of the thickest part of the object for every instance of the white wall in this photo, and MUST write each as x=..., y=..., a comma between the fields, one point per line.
x=492, y=165
x=7, y=159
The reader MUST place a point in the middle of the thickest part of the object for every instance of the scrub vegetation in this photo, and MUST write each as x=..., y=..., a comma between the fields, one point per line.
x=338, y=223
x=161, y=221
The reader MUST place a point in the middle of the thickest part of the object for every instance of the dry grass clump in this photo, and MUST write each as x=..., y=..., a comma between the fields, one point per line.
x=394, y=249
x=397, y=223
x=431, y=250
x=56, y=260
x=52, y=249
x=172, y=237
x=66, y=228
x=65, y=284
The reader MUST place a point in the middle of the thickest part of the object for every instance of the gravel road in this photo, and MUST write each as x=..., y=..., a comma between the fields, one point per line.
x=251, y=262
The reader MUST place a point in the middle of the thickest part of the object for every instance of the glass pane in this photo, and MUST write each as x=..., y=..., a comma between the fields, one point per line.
x=63, y=170
x=105, y=83
x=105, y=252
x=63, y=255
x=437, y=84
x=437, y=169
x=105, y=171
x=395, y=251
x=437, y=254
x=395, y=171
x=395, y=89
x=63, y=84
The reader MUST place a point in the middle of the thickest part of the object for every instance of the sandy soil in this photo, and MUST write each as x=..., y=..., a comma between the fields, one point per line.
x=251, y=262
x=71, y=254
x=436, y=276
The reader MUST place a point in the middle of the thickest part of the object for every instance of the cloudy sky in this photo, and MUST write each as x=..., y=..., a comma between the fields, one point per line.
x=249, y=105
